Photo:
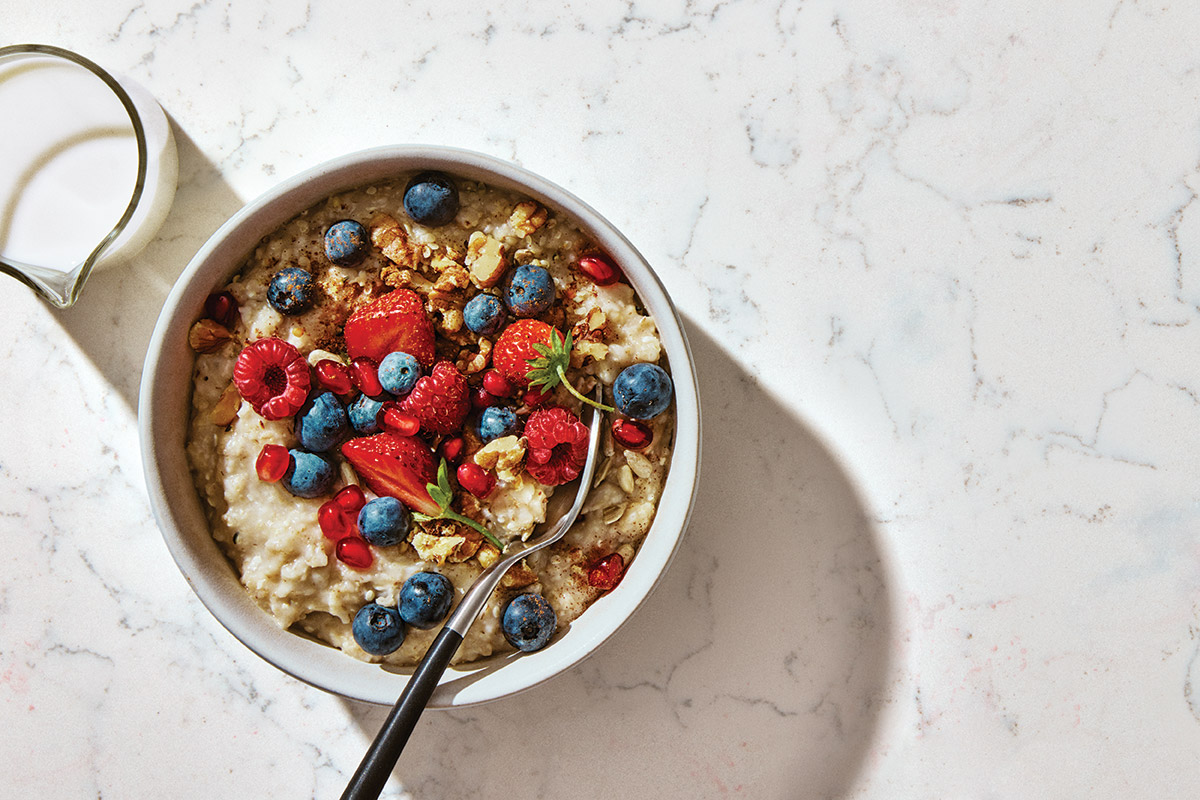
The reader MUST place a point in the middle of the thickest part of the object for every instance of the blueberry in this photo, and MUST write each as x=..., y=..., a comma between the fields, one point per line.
x=497, y=421
x=431, y=198
x=346, y=242
x=384, y=521
x=322, y=423
x=364, y=415
x=484, y=314
x=309, y=475
x=425, y=599
x=378, y=629
x=398, y=372
x=529, y=290
x=642, y=391
x=292, y=290
x=529, y=622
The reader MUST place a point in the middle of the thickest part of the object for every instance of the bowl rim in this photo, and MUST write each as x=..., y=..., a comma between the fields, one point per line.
x=176, y=503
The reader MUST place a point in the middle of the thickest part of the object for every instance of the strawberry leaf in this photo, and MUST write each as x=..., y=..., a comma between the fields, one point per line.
x=551, y=369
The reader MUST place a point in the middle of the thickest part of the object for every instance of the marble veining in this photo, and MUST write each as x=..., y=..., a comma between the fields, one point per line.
x=937, y=261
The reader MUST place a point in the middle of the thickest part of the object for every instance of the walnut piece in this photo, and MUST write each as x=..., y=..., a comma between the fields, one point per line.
x=519, y=576
x=390, y=237
x=527, y=217
x=505, y=456
x=486, y=259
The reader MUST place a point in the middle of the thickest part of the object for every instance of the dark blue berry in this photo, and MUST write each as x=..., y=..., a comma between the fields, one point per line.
x=292, y=290
x=642, y=391
x=378, y=629
x=364, y=415
x=346, y=243
x=309, y=475
x=529, y=290
x=431, y=198
x=529, y=622
x=484, y=314
x=322, y=423
x=384, y=521
x=497, y=421
x=398, y=373
x=425, y=599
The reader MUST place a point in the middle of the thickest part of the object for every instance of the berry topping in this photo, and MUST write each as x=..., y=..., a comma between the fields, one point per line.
x=607, y=572
x=336, y=522
x=384, y=522
x=334, y=376
x=642, y=391
x=529, y=290
x=496, y=384
x=514, y=349
x=475, y=479
x=537, y=396
x=496, y=422
x=440, y=400
x=431, y=199
x=529, y=622
x=223, y=308
x=631, y=434
x=350, y=498
x=395, y=420
x=394, y=466
x=394, y=322
x=365, y=375
x=273, y=378
x=346, y=243
x=309, y=475
x=599, y=268
x=364, y=415
x=425, y=599
x=354, y=552
x=482, y=398
x=557, y=445
x=484, y=314
x=378, y=629
x=322, y=423
x=451, y=449
x=292, y=290
x=398, y=373
x=272, y=463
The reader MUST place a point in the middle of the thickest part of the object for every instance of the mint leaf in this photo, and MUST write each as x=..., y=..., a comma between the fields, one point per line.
x=443, y=495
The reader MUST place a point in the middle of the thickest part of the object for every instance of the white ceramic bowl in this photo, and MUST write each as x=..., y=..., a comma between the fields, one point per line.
x=163, y=416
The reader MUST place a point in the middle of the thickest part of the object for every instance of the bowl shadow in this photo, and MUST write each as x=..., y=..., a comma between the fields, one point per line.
x=760, y=663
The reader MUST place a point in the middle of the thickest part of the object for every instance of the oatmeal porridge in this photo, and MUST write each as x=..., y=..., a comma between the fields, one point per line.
x=389, y=391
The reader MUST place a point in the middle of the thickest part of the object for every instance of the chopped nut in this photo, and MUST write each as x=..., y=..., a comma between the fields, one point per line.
x=486, y=259
x=519, y=576
x=596, y=351
x=527, y=217
x=473, y=540
x=470, y=363
x=625, y=479
x=405, y=279
x=487, y=555
x=390, y=237
x=226, y=409
x=505, y=455
x=207, y=336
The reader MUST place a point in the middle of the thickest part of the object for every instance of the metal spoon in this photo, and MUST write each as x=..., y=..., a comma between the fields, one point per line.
x=381, y=757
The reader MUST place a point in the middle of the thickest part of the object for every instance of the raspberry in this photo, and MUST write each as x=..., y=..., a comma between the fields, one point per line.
x=558, y=444
x=440, y=400
x=273, y=378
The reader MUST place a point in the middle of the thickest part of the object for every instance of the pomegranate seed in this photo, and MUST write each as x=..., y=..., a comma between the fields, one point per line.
x=535, y=397
x=272, y=463
x=600, y=269
x=452, y=449
x=631, y=434
x=336, y=523
x=334, y=376
x=607, y=573
x=365, y=373
x=354, y=553
x=351, y=498
x=497, y=384
x=398, y=421
x=223, y=308
x=475, y=479
x=482, y=398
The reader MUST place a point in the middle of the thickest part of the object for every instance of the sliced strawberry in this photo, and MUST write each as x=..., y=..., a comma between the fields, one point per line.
x=441, y=400
x=514, y=349
x=395, y=466
x=394, y=322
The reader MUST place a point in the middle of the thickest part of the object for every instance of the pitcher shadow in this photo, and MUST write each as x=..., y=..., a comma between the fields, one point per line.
x=760, y=663
x=119, y=306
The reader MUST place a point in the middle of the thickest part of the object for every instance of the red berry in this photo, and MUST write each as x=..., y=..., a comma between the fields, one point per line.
x=222, y=307
x=365, y=374
x=354, y=552
x=497, y=384
x=440, y=400
x=452, y=449
x=481, y=398
x=336, y=523
x=600, y=269
x=395, y=321
x=537, y=396
x=273, y=377
x=351, y=498
x=607, y=572
x=334, y=376
x=514, y=348
x=631, y=434
x=272, y=462
x=475, y=479
x=557, y=445
x=396, y=420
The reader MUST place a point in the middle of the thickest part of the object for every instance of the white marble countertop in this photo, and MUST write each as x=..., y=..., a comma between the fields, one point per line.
x=940, y=265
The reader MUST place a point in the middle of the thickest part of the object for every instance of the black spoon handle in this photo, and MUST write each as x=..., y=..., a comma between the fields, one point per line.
x=381, y=758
